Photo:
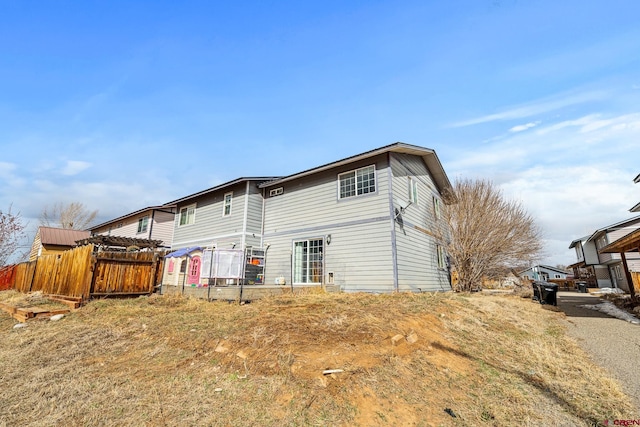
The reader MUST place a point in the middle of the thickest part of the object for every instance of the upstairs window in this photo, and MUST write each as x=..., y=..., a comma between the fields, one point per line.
x=143, y=223
x=358, y=182
x=227, y=204
x=413, y=190
x=436, y=207
x=188, y=215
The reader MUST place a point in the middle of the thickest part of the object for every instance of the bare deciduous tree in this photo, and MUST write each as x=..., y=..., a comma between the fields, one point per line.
x=488, y=233
x=72, y=216
x=11, y=232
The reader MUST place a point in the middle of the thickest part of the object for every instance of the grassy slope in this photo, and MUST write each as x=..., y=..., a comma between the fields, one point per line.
x=491, y=360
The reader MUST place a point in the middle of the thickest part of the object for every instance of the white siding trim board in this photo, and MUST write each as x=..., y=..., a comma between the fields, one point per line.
x=246, y=215
x=392, y=217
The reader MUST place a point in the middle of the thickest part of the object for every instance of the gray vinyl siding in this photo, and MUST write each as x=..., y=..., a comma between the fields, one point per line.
x=163, y=227
x=212, y=228
x=418, y=232
x=254, y=216
x=590, y=253
x=360, y=252
x=359, y=256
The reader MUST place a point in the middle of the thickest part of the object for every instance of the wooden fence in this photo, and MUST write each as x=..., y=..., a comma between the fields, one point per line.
x=635, y=276
x=81, y=273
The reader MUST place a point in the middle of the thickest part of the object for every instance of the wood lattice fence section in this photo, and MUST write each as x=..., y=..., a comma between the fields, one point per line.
x=81, y=273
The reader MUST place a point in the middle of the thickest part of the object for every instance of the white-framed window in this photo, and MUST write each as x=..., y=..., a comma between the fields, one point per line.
x=276, y=192
x=308, y=261
x=601, y=242
x=143, y=224
x=188, y=215
x=618, y=272
x=442, y=257
x=228, y=198
x=436, y=207
x=357, y=182
x=557, y=276
x=413, y=190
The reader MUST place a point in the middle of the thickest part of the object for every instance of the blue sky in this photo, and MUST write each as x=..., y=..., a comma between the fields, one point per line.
x=122, y=105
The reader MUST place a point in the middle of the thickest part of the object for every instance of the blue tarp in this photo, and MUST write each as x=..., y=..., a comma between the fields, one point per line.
x=183, y=252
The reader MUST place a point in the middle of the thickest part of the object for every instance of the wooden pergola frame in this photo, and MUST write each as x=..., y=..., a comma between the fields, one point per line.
x=627, y=243
x=119, y=242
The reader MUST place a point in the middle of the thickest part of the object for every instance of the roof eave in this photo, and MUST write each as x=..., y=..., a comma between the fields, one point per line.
x=218, y=188
x=129, y=215
x=428, y=155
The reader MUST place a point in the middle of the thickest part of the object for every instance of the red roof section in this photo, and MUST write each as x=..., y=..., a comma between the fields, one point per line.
x=61, y=236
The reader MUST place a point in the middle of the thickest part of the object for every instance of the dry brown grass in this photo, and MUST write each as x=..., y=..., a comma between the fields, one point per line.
x=491, y=360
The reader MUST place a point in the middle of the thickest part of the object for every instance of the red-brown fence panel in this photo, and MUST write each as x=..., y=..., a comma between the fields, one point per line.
x=7, y=276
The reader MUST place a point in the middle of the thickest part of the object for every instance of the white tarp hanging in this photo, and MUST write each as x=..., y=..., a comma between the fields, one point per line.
x=207, y=255
x=228, y=263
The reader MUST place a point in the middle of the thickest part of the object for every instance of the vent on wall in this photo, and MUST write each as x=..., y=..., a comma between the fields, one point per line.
x=276, y=192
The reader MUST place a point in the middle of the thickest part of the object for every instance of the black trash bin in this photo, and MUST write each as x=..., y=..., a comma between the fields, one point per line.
x=536, y=291
x=582, y=287
x=545, y=292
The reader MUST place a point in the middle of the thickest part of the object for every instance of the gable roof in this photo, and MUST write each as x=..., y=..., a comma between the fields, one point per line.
x=221, y=187
x=615, y=226
x=129, y=215
x=576, y=241
x=61, y=236
x=546, y=267
x=428, y=155
x=636, y=208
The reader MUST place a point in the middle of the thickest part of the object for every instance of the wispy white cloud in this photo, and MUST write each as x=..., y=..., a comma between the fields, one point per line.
x=74, y=167
x=520, y=128
x=537, y=107
x=573, y=176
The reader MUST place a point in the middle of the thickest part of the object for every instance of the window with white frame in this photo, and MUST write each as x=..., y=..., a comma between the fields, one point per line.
x=557, y=276
x=436, y=207
x=358, y=182
x=413, y=190
x=143, y=224
x=442, y=257
x=188, y=215
x=228, y=198
x=618, y=272
x=307, y=261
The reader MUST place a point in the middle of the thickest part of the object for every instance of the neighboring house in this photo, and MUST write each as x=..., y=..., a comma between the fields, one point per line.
x=371, y=222
x=587, y=268
x=636, y=208
x=228, y=216
x=543, y=272
x=51, y=240
x=152, y=223
x=608, y=268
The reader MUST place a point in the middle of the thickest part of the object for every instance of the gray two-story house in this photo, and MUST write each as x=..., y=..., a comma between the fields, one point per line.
x=371, y=222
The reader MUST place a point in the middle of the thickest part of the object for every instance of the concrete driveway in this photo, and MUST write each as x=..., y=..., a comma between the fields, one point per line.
x=612, y=343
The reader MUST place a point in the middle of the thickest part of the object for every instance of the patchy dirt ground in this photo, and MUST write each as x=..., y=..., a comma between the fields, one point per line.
x=404, y=359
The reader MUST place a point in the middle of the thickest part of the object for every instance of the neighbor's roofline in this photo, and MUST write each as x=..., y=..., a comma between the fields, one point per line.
x=220, y=187
x=636, y=208
x=637, y=179
x=609, y=227
x=580, y=240
x=129, y=215
x=429, y=156
x=548, y=267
